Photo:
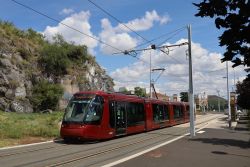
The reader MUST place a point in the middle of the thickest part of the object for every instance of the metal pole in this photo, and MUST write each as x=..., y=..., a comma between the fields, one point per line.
x=218, y=91
x=235, y=96
x=228, y=101
x=219, y=103
x=150, y=77
x=191, y=90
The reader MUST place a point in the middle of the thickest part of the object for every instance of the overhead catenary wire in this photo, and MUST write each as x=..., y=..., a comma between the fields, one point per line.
x=66, y=25
x=222, y=69
x=175, y=32
x=161, y=36
x=119, y=21
x=147, y=41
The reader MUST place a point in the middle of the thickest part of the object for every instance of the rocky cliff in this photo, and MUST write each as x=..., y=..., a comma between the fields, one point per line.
x=23, y=64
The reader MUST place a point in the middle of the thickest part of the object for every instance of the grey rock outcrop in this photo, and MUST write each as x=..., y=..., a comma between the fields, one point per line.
x=12, y=87
x=20, y=71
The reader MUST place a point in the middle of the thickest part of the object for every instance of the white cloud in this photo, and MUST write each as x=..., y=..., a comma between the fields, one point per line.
x=122, y=41
x=119, y=36
x=66, y=11
x=131, y=73
x=79, y=21
x=208, y=71
x=144, y=23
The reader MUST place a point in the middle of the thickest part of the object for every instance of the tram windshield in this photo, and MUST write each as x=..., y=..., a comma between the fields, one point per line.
x=84, y=109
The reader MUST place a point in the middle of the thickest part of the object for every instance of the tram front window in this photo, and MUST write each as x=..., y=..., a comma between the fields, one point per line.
x=84, y=109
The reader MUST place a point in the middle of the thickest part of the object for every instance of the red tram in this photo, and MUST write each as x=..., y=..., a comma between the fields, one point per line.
x=99, y=115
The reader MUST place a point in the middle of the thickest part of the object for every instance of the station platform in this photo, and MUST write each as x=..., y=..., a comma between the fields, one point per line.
x=214, y=146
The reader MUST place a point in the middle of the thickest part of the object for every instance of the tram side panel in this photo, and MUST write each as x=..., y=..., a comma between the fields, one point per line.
x=171, y=114
x=135, y=117
x=105, y=130
x=178, y=113
x=149, y=116
x=127, y=116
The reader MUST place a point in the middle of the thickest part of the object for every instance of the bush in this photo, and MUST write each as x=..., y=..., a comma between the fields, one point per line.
x=76, y=53
x=46, y=95
x=10, y=29
x=54, y=60
x=25, y=54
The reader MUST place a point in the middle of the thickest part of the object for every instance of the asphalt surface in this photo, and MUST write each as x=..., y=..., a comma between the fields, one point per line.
x=214, y=146
x=96, y=154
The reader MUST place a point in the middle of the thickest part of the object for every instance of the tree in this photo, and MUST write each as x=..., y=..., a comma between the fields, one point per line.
x=54, y=60
x=243, y=89
x=140, y=92
x=46, y=95
x=184, y=96
x=233, y=16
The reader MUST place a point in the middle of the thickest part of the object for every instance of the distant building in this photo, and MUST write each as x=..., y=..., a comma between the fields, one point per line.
x=175, y=97
x=201, y=102
x=160, y=96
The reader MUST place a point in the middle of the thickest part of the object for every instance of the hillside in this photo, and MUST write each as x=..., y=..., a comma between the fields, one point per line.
x=35, y=74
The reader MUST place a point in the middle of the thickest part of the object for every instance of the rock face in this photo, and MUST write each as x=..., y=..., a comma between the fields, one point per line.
x=19, y=70
x=13, y=92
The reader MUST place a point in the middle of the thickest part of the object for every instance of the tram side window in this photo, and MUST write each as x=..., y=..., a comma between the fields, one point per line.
x=112, y=114
x=120, y=113
x=135, y=114
x=166, y=113
x=178, y=112
x=160, y=112
x=156, y=113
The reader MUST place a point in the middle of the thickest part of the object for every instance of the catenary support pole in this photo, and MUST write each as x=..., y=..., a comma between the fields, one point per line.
x=150, y=76
x=218, y=91
x=191, y=89
x=228, y=101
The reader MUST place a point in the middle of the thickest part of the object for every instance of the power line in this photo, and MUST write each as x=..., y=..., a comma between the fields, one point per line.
x=147, y=41
x=119, y=21
x=161, y=36
x=70, y=27
x=174, y=34
x=222, y=69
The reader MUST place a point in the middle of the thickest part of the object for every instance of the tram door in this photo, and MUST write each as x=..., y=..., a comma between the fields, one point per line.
x=120, y=118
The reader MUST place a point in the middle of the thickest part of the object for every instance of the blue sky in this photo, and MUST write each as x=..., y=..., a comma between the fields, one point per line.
x=150, y=18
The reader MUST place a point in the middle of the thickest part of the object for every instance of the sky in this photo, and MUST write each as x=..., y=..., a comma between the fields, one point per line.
x=129, y=25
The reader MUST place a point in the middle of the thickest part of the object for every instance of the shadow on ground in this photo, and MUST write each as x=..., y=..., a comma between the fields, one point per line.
x=224, y=142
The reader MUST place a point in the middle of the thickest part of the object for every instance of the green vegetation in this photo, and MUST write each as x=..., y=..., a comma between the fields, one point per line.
x=46, y=95
x=243, y=91
x=58, y=58
x=25, y=42
x=44, y=63
x=184, y=96
x=15, y=126
x=233, y=18
x=140, y=92
x=54, y=60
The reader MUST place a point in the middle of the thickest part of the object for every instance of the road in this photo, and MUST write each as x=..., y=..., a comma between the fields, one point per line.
x=96, y=153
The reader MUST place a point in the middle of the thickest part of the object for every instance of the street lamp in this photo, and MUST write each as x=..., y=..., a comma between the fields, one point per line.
x=228, y=100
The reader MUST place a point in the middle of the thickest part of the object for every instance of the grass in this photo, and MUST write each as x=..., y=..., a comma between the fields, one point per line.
x=18, y=127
